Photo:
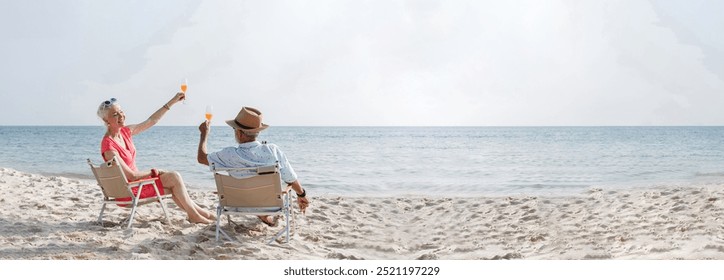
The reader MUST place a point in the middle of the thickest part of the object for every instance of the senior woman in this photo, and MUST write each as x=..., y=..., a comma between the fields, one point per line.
x=118, y=142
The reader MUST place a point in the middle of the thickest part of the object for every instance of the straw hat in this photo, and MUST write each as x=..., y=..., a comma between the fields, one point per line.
x=249, y=120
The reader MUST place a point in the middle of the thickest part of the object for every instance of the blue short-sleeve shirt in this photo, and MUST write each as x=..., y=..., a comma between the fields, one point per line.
x=253, y=154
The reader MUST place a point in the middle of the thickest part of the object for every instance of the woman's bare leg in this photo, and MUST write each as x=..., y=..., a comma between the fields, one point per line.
x=207, y=214
x=173, y=181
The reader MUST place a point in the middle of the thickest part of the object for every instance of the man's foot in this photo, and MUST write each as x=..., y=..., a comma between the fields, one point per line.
x=268, y=220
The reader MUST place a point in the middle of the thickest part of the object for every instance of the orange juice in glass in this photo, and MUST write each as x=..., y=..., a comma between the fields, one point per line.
x=209, y=112
x=184, y=86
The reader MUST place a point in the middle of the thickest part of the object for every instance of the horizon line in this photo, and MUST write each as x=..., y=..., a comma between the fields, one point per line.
x=521, y=126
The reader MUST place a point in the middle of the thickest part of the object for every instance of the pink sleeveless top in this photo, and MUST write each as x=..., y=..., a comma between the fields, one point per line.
x=128, y=155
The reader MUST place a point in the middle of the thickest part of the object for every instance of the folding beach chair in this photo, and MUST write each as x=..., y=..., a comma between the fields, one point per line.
x=257, y=195
x=114, y=185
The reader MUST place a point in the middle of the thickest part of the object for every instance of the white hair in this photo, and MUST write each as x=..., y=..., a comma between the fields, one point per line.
x=102, y=111
x=251, y=135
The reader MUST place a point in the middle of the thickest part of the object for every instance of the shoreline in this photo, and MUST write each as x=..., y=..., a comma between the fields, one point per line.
x=538, y=190
x=54, y=217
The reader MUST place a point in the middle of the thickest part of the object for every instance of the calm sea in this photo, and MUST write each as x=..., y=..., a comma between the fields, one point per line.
x=417, y=160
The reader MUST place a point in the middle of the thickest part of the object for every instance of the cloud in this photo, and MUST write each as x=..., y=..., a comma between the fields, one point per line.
x=402, y=63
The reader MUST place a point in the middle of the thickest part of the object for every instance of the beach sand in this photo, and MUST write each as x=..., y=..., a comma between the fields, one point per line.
x=50, y=217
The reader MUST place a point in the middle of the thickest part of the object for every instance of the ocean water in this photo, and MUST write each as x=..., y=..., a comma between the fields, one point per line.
x=380, y=161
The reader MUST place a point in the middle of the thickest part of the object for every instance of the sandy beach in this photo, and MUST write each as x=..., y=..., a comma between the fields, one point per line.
x=50, y=217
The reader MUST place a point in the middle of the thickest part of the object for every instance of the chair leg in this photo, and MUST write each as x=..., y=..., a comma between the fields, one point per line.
x=100, y=217
x=277, y=235
x=287, y=208
x=165, y=213
x=218, y=222
x=287, y=223
x=133, y=213
x=160, y=200
x=282, y=231
x=224, y=233
x=103, y=208
x=135, y=205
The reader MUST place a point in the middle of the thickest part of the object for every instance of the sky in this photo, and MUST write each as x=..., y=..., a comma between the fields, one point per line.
x=366, y=63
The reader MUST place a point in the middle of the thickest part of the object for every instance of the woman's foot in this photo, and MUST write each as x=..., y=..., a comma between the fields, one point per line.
x=207, y=214
x=200, y=220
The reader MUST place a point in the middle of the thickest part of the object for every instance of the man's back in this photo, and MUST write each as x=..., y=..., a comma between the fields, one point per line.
x=253, y=154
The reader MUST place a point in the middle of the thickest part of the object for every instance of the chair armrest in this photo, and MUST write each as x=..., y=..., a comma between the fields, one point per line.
x=258, y=169
x=141, y=182
x=266, y=169
x=287, y=189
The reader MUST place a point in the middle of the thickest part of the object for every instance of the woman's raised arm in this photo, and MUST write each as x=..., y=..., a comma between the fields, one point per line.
x=156, y=116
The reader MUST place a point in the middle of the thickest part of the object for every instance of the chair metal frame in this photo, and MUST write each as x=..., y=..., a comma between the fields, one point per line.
x=114, y=185
x=270, y=182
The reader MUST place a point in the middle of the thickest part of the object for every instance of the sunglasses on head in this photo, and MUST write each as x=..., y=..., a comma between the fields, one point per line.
x=109, y=102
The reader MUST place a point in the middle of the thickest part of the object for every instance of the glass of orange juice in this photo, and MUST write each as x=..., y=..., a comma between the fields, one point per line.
x=209, y=112
x=184, y=86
